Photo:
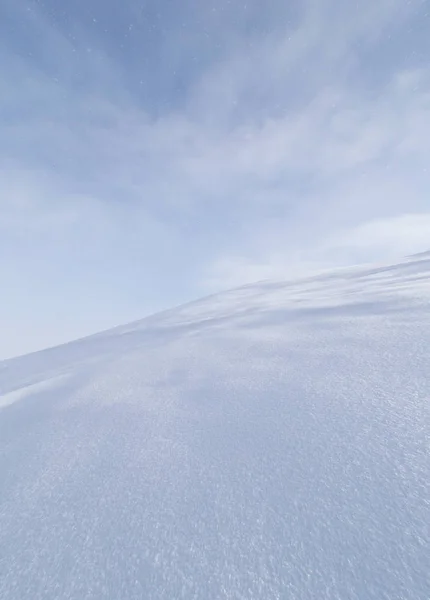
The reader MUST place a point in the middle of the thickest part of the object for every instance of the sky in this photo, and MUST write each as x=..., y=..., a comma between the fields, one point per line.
x=155, y=151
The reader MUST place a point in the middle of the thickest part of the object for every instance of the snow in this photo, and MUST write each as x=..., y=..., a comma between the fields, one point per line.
x=271, y=442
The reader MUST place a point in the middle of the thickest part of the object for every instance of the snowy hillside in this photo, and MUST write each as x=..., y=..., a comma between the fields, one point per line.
x=271, y=442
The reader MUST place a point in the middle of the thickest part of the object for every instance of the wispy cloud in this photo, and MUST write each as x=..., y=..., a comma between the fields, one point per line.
x=150, y=155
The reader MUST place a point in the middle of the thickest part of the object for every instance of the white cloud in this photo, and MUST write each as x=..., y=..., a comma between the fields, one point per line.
x=404, y=234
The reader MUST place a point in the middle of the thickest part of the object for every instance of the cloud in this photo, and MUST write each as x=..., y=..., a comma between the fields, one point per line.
x=347, y=179
x=410, y=231
x=153, y=154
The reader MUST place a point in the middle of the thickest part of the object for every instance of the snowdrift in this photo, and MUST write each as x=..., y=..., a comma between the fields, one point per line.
x=267, y=443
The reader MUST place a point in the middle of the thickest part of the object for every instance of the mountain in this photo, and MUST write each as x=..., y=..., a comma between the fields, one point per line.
x=271, y=442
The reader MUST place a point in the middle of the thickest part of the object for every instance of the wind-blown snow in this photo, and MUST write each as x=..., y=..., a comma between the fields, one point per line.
x=271, y=442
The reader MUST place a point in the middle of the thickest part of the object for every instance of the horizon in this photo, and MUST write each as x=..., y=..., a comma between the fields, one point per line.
x=319, y=275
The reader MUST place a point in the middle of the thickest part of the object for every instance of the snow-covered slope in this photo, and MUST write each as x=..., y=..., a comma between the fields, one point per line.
x=271, y=442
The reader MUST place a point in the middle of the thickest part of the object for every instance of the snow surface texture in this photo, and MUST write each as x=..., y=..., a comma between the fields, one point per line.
x=270, y=442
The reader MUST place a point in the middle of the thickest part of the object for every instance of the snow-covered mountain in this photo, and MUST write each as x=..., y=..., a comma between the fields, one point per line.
x=271, y=442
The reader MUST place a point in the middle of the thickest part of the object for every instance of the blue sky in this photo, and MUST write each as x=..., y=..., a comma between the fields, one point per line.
x=153, y=152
